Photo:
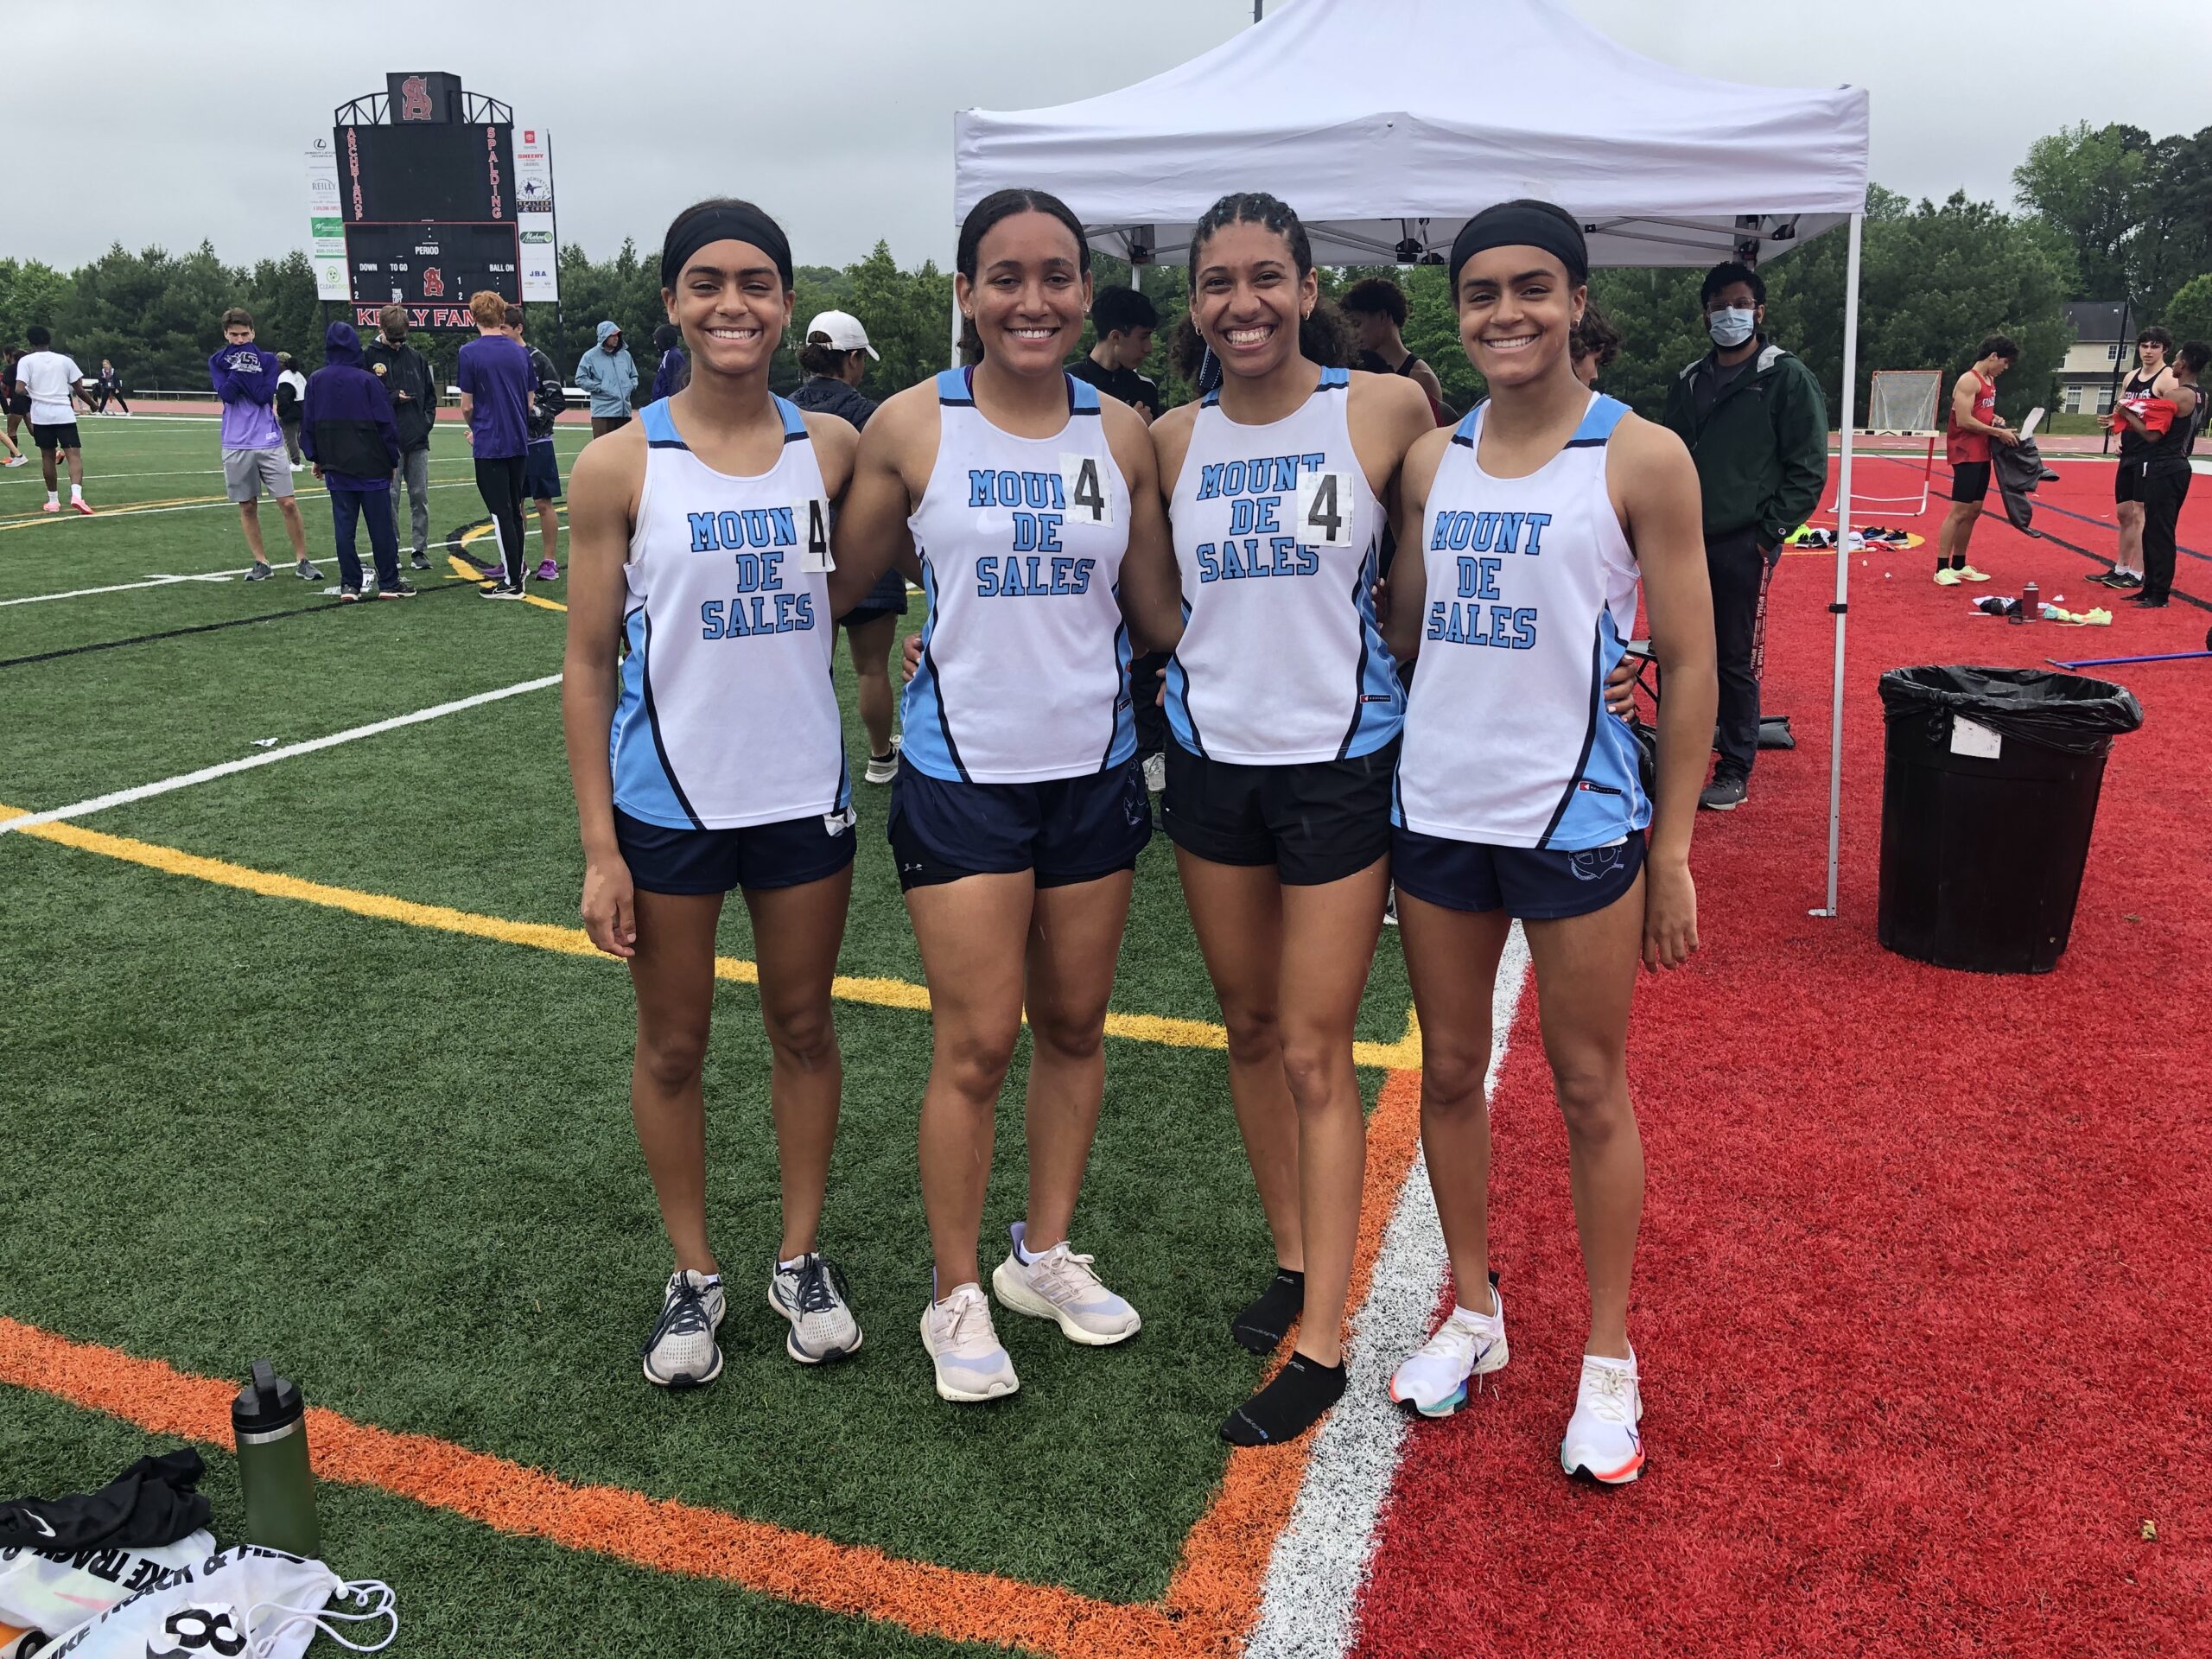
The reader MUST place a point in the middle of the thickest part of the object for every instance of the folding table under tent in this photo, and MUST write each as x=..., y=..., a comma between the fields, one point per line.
x=1387, y=123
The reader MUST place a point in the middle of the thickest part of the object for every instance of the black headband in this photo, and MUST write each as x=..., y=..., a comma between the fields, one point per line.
x=1524, y=224
x=724, y=221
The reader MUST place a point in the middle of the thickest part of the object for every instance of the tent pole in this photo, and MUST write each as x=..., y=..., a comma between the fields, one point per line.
x=1841, y=607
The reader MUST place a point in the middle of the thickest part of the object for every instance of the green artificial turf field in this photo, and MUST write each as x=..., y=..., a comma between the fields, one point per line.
x=398, y=1160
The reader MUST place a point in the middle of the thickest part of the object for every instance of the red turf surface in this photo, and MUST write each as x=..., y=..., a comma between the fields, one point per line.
x=1921, y=1298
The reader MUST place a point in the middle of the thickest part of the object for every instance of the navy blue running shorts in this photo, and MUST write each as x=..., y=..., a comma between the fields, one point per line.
x=1066, y=829
x=1535, y=884
x=789, y=853
x=541, y=472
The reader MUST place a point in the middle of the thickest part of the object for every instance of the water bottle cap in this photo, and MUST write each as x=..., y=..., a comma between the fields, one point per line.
x=267, y=1404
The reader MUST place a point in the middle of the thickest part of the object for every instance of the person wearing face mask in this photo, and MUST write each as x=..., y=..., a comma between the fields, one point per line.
x=1757, y=428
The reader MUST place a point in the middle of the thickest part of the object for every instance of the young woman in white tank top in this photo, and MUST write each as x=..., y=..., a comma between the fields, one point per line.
x=712, y=756
x=1521, y=537
x=1283, y=710
x=1030, y=509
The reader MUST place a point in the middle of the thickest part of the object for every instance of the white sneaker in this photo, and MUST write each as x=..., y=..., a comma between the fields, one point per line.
x=811, y=1295
x=883, y=769
x=1433, y=1379
x=1155, y=773
x=681, y=1353
x=1058, y=1285
x=1602, y=1443
x=970, y=1365
x=20, y=460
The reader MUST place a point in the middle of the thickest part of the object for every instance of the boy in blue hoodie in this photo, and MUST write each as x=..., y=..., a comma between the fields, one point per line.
x=608, y=376
x=253, y=444
x=348, y=431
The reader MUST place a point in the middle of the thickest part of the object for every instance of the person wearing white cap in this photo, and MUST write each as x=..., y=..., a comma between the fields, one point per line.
x=835, y=356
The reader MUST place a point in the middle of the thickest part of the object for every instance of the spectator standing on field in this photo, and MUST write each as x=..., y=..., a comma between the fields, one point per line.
x=244, y=377
x=541, y=468
x=836, y=358
x=49, y=383
x=404, y=374
x=110, y=387
x=494, y=374
x=1377, y=310
x=1593, y=344
x=1974, y=425
x=607, y=377
x=15, y=455
x=292, y=387
x=2165, y=423
x=349, y=434
x=674, y=370
x=1757, y=428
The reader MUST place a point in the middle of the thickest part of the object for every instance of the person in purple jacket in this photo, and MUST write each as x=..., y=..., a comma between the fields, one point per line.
x=253, y=444
x=348, y=431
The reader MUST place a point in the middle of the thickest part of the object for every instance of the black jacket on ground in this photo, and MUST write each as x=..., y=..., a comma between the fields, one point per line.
x=402, y=368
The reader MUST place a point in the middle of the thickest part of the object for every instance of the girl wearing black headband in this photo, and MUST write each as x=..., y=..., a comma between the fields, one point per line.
x=701, y=531
x=1019, y=808
x=1284, y=708
x=1522, y=538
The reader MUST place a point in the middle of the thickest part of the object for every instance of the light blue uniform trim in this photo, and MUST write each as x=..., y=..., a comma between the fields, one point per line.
x=1597, y=422
x=1606, y=801
x=922, y=709
x=660, y=430
x=644, y=787
x=1178, y=700
x=1123, y=743
x=1380, y=714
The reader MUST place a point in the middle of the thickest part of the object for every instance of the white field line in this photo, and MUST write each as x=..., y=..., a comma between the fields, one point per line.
x=215, y=471
x=126, y=511
x=1309, y=1604
x=207, y=774
x=123, y=587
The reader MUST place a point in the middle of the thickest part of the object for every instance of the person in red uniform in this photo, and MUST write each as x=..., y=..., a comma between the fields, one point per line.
x=1974, y=425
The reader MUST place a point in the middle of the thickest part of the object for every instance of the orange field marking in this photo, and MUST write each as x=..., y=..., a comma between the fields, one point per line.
x=1211, y=1601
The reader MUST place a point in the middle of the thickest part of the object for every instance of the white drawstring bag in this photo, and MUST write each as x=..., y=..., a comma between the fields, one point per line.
x=260, y=1603
x=58, y=1589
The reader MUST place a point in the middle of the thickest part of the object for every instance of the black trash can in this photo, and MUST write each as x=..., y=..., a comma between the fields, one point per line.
x=1989, y=790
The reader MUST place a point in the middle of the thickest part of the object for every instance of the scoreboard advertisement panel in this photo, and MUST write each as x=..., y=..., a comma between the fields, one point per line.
x=430, y=269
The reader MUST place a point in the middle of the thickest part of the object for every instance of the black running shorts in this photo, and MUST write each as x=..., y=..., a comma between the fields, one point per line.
x=1315, y=821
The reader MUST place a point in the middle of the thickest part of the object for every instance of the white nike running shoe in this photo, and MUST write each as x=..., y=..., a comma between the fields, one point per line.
x=1433, y=1379
x=970, y=1365
x=681, y=1353
x=882, y=768
x=811, y=1295
x=1602, y=1443
x=1058, y=1285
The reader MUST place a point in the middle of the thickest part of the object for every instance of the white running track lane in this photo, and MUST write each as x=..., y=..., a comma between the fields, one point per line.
x=207, y=774
x=1309, y=1602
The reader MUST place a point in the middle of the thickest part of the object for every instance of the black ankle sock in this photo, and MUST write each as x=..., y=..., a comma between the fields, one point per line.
x=1267, y=1320
x=1958, y=560
x=1287, y=1406
x=1942, y=563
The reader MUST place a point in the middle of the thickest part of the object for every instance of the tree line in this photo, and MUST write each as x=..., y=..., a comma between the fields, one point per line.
x=2099, y=213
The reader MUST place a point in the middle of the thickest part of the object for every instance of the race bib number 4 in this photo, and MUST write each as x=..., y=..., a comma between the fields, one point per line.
x=813, y=520
x=1324, y=510
x=1083, y=480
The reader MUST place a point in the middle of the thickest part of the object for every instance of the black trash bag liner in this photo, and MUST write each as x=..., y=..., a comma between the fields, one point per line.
x=2068, y=712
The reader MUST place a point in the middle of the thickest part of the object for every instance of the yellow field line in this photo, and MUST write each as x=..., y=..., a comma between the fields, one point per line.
x=1402, y=1055
x=463, y=568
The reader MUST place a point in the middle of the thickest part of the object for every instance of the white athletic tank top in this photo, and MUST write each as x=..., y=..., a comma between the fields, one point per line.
x=1277, y=535
x=1531, y=595
x=1025, y=664
x=729, y=713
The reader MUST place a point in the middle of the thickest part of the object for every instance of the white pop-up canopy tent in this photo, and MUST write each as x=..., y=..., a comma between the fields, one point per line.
x=1387, y=123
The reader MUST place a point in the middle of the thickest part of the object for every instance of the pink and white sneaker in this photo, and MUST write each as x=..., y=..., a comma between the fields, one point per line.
x=1602, y=1442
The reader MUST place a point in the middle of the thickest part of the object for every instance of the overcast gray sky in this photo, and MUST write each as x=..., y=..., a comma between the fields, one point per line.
x=178, y=119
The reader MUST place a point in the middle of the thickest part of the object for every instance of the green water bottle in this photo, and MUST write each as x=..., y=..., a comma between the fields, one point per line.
x=269, y=1422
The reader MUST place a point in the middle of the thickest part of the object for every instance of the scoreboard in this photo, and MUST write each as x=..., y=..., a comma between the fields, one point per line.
x=428, y=204
x=430, y=267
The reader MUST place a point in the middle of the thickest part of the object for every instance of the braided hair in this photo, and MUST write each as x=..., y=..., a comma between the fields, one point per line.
x=1324, y=337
